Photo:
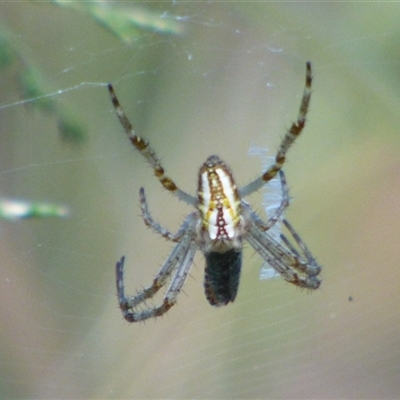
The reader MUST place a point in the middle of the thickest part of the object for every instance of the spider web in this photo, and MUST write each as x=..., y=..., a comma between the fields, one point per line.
x=199, y=78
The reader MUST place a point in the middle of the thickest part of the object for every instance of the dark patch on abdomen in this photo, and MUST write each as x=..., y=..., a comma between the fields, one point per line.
x=222, y=276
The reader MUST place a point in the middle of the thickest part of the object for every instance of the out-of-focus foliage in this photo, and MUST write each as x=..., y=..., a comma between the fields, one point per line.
x=19, y=209
x=127, y=22
x=35, y=89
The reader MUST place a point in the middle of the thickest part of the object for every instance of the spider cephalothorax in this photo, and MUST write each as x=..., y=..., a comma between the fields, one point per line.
x=222, y=220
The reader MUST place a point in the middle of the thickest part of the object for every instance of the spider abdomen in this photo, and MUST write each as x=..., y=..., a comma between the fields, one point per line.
x=222, y=274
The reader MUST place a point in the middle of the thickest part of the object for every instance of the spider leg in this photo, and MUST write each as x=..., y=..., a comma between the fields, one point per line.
x=178, y=280
x=149, y=221
x=287, y=263
x=143, y=147
x=311, y=267
x=160, y=279
x=273, y=219
x=290, y=136
x=182, y=255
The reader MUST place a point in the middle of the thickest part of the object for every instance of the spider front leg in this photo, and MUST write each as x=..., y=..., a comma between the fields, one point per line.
x=294, y=130
x=144, y=148
x=290, y=136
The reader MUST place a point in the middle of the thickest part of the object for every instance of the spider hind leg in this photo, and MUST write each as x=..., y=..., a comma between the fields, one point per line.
x=175, y=268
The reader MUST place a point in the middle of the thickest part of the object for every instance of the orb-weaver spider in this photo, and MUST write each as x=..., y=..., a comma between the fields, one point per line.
x=219, y=225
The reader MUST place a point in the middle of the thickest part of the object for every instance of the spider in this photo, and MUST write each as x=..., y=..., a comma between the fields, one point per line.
x=221, y=222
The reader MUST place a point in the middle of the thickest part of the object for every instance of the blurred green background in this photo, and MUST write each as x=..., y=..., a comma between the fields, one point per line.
x=198, y=78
